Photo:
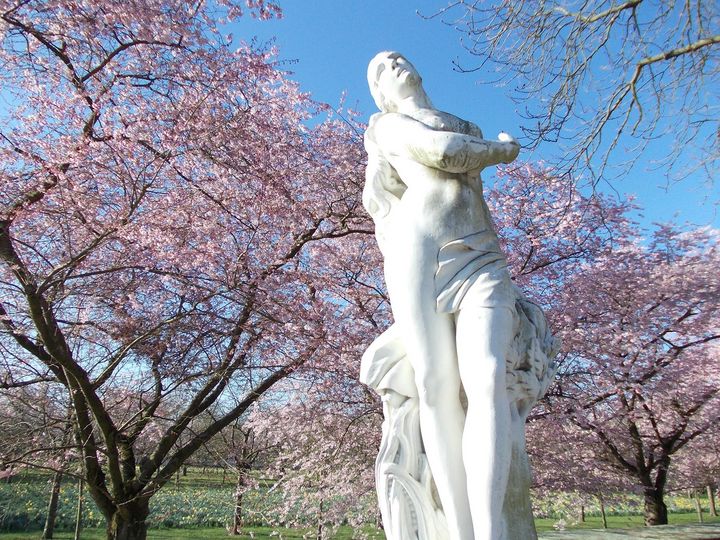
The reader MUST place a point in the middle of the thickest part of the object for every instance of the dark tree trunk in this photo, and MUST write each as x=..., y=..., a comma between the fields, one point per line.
x=654, y=493
x=602, y=511
x=711, y=500
x=581, y=517
x=8, y=478
x=129, y=522
x=241, y=486
x=655, y=508
x=698, y=506
x=52, y=507
x=320, y=531
x=237, y=515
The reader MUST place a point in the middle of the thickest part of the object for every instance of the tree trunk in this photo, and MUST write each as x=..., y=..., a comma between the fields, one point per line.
x=240, y=488
x=52, y=507
x=129, y=522
x=602, y=510
x=237, y=515
x=655, y=508
x=320, y=532
x=711, y=500
x=698, y=506
x=8, y=478
x=581, y=517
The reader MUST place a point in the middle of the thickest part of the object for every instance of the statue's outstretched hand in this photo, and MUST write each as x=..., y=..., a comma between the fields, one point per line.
x=511, y=147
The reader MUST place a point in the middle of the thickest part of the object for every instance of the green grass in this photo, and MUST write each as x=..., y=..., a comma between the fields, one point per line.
x=344, y=533
x=260, y=533
x=200, y=505
x=621, y=522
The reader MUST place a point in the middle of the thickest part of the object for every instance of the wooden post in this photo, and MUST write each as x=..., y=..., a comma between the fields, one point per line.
x=78, y=515
x=51, y=515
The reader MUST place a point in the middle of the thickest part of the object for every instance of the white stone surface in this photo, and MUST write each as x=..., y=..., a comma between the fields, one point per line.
x=468, y=355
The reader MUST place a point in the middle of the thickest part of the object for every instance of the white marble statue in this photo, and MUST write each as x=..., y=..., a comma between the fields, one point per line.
x=467, y=355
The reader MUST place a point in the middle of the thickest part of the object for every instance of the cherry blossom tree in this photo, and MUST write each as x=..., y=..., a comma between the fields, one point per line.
x=640, y=326
x=163, y=205
x=698, y=465
x=326, y=437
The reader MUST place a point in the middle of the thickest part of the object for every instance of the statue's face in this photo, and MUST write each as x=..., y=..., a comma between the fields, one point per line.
x=397, y=79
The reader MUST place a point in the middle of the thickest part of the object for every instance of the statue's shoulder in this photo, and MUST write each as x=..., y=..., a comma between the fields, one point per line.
x=373, y=122
x=384, y=123
x=370, y=137
x=387, y=118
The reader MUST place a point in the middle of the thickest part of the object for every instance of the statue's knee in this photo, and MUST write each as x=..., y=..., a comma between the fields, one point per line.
x=435, y=390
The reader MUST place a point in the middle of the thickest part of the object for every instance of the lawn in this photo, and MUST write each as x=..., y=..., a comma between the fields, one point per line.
x=259, y=533
x=344, y=533
x=620, y=521
x=199, y=505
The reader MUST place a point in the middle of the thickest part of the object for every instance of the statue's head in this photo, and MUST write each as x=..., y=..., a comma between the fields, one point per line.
x=392, y=78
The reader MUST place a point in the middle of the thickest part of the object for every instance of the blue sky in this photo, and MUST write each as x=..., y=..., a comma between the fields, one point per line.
x=328, y=43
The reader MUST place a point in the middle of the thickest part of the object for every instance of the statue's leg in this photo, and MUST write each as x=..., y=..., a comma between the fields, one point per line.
x=430, y=344
x=483, y=338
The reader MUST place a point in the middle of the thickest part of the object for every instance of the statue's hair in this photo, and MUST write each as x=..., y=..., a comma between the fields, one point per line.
x=381, y=187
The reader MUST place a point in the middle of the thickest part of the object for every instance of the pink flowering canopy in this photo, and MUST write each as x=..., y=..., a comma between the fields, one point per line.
x=166, y=198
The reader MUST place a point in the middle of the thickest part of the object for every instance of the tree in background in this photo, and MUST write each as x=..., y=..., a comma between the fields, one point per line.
x=698, y=465
x=327, y=433
x=36, y=424
x=238, y=448
x=160, y=190
x=591, y=73
x=641, y=327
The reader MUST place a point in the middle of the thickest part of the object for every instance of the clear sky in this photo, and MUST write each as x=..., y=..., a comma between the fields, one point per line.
x=328, y=43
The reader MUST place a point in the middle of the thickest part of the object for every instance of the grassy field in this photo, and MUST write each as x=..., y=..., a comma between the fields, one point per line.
x=620, y=522
x=199, y=505
x=259, y=533
x=344, y=533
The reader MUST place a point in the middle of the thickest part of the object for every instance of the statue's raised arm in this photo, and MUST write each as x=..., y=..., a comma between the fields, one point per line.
x=400, y=135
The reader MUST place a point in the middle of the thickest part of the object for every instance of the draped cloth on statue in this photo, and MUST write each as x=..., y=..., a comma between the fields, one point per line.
x=473, y=269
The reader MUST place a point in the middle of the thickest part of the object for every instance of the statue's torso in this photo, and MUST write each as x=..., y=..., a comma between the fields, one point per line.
x=440, y=227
